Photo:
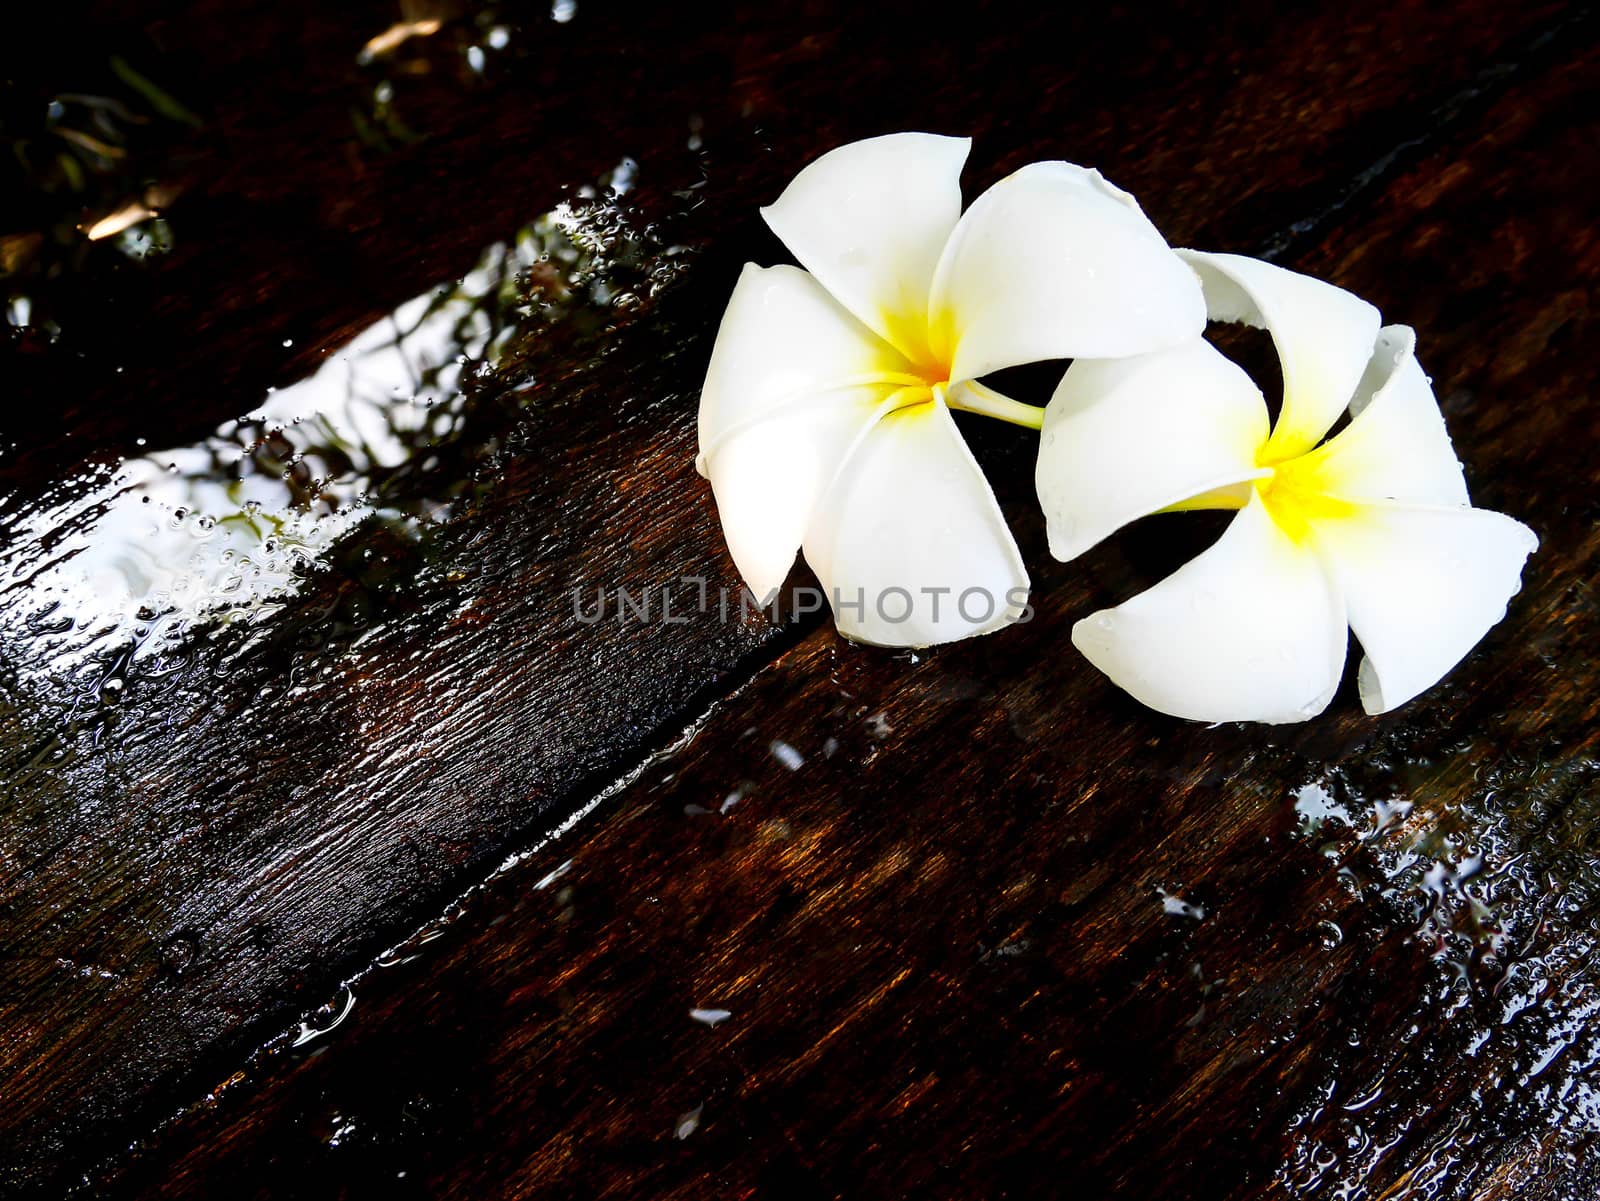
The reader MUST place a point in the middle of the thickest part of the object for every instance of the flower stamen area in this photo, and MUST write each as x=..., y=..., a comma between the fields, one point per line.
x=910, y=397
x=1294, y=504
x=1291, y=501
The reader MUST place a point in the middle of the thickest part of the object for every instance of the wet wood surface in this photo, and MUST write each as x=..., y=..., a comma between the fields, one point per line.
x=976, y=920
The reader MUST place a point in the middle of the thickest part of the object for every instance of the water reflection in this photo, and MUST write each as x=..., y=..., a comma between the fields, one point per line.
x=80, y=167
x=230, y=527
x=436, y=48
x=1497, y=892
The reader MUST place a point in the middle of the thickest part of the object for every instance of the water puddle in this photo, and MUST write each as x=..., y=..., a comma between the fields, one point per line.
x=1496, y=893
x=120, y=565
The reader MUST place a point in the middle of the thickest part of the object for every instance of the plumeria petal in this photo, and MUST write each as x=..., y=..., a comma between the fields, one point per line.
x=870, y=219
x=1396, y=447
x=768, y=478
x=910, y=543
x=1422, y=585
x=786, y=392
x=1054, y=262
x=785, y=341
x=1123, y=438
x=1324, y=337
x=1251, y=630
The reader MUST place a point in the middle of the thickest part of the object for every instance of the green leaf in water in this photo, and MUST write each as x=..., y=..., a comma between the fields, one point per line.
x=161, y=101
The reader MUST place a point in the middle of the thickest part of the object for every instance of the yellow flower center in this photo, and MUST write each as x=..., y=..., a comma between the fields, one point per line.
x=1295, y=491
x=1295, y=494
x=917, y=370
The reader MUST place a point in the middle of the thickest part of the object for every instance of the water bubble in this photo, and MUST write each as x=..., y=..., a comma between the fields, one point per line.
x=326, y=1018
x=688, y=1123
x=787, y=755
x=178, y=954
x=343, y=1128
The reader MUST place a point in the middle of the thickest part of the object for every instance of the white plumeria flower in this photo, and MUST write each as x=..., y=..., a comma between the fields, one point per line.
x=825, y=419
x=1370, y=529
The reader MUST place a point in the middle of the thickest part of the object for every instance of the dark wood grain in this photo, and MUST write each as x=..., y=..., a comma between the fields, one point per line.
x=948, y=964
x=964, y=952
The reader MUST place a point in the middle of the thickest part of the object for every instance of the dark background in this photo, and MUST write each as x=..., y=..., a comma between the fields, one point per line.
x=1002, y=933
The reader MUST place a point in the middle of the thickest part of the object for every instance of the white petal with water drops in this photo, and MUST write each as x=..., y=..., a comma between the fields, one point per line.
x=768, y=480
x=912, y=530
x=1123, y=438
x=1396, y=446
x=1249, y=631
x=869, y=220
x=784, y=342
x=1423, y=586
x=1054, y=262
x=778, y=411
x=1324, y=337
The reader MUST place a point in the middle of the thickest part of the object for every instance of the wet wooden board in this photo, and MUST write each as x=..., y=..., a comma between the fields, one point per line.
x=942, y=939
x=958, y=948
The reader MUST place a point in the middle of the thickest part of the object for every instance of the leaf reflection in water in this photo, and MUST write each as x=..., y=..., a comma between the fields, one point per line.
x=228, y=527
